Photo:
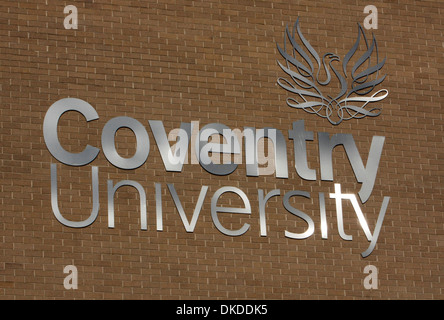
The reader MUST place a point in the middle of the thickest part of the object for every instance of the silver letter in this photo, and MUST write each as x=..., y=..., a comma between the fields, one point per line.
x=112, y=191
x=55, y=206
x=324, y=229
x=159, y=217
x=299, y=135
x=365, y=175
x=251, y=150
x=215, y=209
x=189, y=226
x=298, y=213
x=172, y=162
x=338, y=196
x=262, y=203
x=378, y=227
x=204, y=147
x=50, y=123
x=109, y=147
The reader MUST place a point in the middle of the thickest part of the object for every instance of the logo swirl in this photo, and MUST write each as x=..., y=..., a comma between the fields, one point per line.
x=304, y=79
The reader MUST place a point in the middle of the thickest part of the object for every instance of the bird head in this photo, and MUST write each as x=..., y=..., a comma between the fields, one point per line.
x=330, y=56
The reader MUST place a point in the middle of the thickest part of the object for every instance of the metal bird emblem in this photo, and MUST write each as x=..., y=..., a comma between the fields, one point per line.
x=351, y=102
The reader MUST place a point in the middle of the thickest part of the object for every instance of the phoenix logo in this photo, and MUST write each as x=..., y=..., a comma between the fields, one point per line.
x=351, y=102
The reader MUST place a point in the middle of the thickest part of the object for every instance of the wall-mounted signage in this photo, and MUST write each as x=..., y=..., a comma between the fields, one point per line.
x=174, y=160
x=306, y=83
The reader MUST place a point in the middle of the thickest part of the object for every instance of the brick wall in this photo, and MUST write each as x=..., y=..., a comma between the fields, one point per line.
x=213, y=61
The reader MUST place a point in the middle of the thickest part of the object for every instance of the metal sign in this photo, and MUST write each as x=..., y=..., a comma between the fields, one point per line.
x=306, y=79
x=174, y=160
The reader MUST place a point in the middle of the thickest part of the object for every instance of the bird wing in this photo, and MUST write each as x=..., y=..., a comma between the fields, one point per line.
x=303, y=72
x=365, y=81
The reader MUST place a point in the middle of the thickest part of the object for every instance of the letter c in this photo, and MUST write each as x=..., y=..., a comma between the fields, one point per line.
x=50, y=123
